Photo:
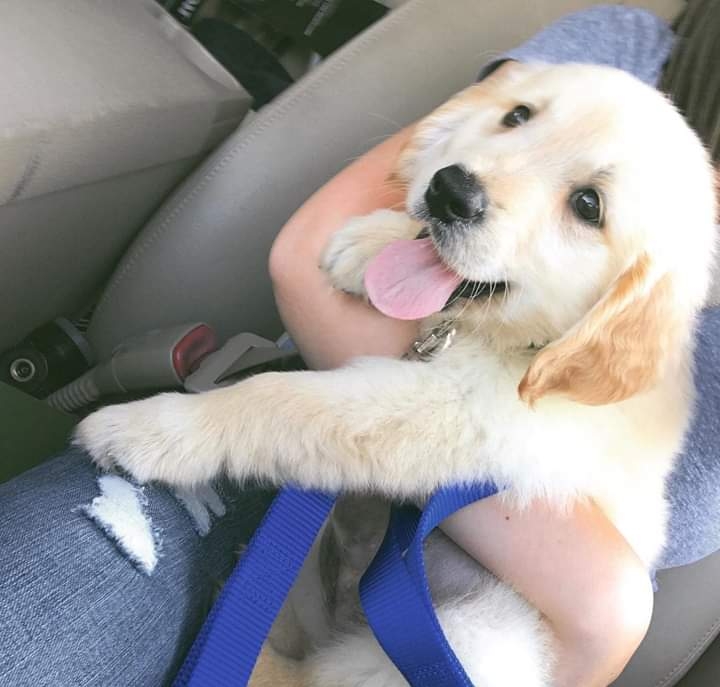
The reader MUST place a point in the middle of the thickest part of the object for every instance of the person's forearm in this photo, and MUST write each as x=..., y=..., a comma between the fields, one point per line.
x=576, y=568
x=329, y=327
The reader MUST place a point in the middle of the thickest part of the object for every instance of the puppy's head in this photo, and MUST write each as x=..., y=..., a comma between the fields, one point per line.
x=580, y=207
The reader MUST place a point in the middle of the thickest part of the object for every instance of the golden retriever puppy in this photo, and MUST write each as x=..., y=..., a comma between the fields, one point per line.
x=566, y=230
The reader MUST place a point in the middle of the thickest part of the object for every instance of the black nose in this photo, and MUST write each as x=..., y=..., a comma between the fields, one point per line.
x=455, y=195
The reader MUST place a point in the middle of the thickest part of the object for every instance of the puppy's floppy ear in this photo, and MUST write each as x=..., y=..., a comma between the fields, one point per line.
x=489, y=69
x=618, y=349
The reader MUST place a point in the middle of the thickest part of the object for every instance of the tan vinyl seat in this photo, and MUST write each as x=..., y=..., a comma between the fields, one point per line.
x=106, y=106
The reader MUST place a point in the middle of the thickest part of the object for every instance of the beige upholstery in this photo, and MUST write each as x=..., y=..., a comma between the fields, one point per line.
x=686, y=620
x=706, y=672
x=203, y=256
x=106, y=105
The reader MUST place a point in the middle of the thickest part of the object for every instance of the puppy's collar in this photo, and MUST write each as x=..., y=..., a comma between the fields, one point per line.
x=439, y=339
x=433, y=343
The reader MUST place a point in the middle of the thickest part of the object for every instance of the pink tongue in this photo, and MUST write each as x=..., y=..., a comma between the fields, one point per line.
x=407, y=281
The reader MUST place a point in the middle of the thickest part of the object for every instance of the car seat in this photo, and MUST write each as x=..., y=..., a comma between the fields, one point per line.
x=107, y=106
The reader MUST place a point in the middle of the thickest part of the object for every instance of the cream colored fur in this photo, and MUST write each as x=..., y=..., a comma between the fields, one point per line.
x=607, y=397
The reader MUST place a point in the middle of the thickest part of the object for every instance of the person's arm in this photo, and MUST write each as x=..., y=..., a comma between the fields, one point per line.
x=330, y=327
x=576, y=568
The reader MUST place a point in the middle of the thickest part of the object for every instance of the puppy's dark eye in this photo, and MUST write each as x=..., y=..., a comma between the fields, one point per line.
x=586, y=204
x=517, y=116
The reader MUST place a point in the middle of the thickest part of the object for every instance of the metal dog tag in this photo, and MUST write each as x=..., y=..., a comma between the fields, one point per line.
x=437, y=340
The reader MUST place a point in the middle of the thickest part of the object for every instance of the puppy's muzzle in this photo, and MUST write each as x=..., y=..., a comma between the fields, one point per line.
x=455, y=197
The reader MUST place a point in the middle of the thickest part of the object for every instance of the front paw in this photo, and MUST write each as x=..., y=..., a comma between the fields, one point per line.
x=158, y=439
x=351, y=248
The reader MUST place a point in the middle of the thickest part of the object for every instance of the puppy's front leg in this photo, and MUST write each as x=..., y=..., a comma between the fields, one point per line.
x=371, y=426
x=352, y=247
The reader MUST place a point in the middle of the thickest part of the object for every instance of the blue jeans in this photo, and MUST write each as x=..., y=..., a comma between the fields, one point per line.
x=75, y=611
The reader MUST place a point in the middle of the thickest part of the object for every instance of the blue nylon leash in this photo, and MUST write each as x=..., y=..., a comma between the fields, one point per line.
x=394, y=592
x=396, y=598
x=226, y=649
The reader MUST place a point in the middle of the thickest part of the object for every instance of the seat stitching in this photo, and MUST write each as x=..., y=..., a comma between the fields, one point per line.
x=281, y=108
x=692, y=652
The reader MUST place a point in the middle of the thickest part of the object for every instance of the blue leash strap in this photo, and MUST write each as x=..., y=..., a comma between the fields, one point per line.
x=227, y=647
x=394, y=592
x=396, y=596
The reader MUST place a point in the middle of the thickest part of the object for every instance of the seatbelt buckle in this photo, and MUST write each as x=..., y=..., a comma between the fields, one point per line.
x=243, y=355
x=156, y=360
